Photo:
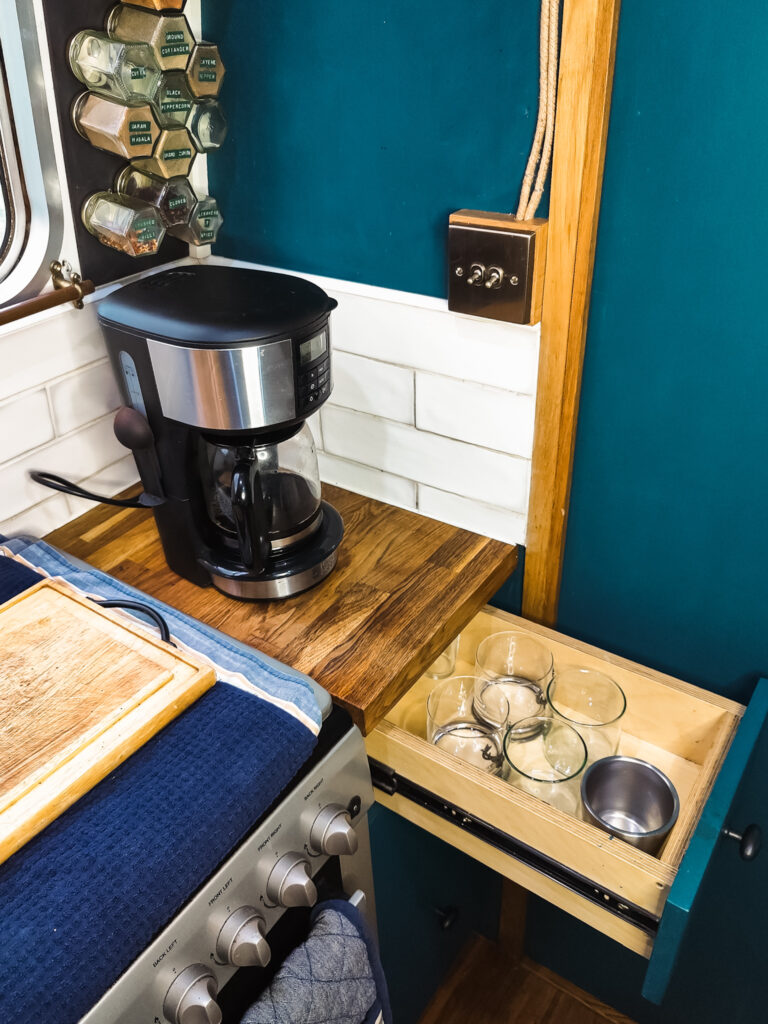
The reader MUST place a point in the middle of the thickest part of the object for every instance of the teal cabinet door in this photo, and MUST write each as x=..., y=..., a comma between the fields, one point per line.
x=709, y=955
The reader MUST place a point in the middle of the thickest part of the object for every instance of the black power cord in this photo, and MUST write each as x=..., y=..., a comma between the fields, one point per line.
x=60, y=483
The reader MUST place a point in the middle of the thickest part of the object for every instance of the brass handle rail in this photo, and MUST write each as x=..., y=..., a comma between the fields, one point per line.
x=70, y=289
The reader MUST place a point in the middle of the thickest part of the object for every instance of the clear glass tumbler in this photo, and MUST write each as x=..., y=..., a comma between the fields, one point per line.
x=593, y=704
x=445, y=663
x=521, y=666
x=454, y=726
x=545, y=757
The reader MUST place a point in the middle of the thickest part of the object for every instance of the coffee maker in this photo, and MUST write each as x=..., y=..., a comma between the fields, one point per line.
x=219, y=368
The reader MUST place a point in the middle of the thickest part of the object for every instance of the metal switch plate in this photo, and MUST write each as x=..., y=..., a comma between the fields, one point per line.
x=491, y=270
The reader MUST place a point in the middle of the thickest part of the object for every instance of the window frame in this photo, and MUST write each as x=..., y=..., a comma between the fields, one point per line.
x=32, y=177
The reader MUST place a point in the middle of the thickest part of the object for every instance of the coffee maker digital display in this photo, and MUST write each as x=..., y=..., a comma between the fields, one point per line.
x=219, y=368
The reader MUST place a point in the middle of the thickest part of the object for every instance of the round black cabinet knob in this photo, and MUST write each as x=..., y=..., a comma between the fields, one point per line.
x=750, y=841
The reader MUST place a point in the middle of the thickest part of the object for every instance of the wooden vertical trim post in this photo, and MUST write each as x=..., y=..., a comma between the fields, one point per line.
x=583, y=104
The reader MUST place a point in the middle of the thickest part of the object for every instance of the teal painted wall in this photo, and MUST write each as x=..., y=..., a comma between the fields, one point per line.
x=667, y=546
x=356, y=127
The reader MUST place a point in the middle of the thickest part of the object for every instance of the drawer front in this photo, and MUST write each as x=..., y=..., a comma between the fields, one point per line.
x=529, y=844
x=599, y=879
x=714, y=919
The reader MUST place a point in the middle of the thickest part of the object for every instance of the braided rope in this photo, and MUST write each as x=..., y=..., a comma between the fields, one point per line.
x=549, y=134
x=538, y=137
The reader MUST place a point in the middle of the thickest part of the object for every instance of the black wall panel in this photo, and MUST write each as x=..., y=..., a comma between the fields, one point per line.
x=89, y=170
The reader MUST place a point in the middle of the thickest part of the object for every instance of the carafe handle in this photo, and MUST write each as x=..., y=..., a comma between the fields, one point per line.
x=248, y=513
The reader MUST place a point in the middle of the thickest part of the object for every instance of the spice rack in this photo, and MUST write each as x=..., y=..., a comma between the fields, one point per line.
x=150, y=97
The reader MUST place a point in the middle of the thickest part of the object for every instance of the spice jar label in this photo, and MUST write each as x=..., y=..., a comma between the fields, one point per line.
x=137, y=72
x=139, y=126
x=208, y=62
x=174, y=37
x=176, y=154
x=146, y=229
x=176, y=202
x=206, y=76
x=174, y=50
x=172, y=106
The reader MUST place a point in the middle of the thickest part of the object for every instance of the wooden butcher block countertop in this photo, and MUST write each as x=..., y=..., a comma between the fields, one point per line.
x=404, y=586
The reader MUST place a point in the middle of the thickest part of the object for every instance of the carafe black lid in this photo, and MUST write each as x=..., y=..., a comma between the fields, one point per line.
x=207, y=305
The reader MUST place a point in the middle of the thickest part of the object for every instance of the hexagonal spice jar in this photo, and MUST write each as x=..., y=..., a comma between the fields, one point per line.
x=173, y=155
x=173, y=198
x=207, y=125
x=205, y=70
x=203, y=225
x=126, y=131
x=123, y=223
x=169, y=36
x=173, y=100
x=125, y=72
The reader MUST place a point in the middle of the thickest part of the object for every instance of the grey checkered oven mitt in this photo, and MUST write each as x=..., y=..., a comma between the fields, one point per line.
x=334, y=977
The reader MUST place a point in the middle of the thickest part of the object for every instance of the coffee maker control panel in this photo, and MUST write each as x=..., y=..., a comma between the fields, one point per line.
x=314, y=373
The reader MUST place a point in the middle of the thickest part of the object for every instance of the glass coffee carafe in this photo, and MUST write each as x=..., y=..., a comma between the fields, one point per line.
x=261, y=497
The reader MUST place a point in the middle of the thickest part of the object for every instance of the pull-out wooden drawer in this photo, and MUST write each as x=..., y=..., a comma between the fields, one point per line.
x=612, y=886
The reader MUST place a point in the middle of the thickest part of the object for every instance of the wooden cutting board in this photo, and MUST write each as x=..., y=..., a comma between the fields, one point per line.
x=81, y=689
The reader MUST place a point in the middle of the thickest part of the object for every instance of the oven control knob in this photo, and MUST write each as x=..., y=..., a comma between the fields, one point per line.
x=241, y=940
x=191, y=999
x=332, y=832
x=290, y=884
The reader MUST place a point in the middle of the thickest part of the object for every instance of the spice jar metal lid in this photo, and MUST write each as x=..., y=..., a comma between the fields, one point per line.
x=173, y=154
x=114, y=127
x=205, y=71
x=168, y=35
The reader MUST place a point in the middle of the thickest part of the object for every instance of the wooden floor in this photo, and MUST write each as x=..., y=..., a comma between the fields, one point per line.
x=485, y=987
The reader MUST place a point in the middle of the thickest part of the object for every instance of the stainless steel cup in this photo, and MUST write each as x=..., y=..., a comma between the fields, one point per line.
x=630, y=799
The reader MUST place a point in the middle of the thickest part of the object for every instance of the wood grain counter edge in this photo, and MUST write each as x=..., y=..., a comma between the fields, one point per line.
x=403, y=587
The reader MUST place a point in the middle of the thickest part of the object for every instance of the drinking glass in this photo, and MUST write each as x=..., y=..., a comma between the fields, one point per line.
x=445, y=663
x=544, y=756
x=521, y=666
x=454, y=726
x=593, y=704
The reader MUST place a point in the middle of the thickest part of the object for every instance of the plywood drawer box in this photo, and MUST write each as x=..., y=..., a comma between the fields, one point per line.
x=684, y=730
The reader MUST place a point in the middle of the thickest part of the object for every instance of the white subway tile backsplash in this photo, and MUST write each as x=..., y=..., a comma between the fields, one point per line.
x=83, y=396
x=25, y=423
x=428, y=458
x=109, y=482
x=373, y=387
x=429, y=408
x=36, y=352
x=475, y=413
x=491, y=521
x=483, y=351
x=77, y=457
x=40, y=519
x=363, y=480
x=316, y=427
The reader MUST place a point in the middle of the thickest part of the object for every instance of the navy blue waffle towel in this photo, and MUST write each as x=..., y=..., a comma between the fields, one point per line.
x=82, y=899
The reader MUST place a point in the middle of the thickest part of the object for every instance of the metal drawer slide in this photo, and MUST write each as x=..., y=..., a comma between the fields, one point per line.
x=390, y=782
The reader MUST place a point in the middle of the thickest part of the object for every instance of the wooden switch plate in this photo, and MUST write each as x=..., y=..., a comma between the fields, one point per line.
x=496, y=265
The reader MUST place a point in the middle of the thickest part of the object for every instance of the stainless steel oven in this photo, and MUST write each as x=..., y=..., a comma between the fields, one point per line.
x=215, y=956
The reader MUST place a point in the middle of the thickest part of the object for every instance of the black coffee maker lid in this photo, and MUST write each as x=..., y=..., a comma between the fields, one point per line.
x=208, y=305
